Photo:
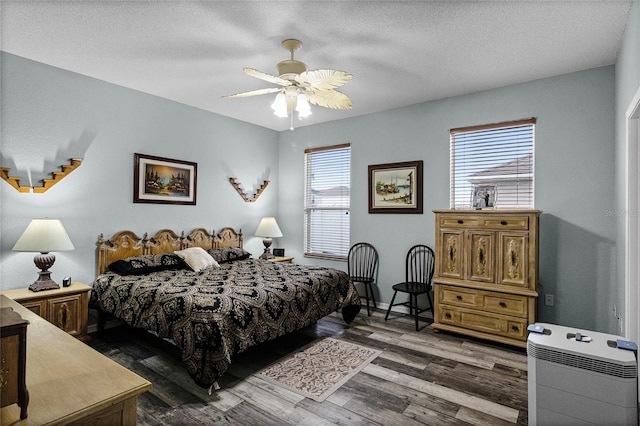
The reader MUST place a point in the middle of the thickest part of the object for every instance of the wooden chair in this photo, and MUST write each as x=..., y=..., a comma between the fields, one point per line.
x=362, y=264
x=418, y=274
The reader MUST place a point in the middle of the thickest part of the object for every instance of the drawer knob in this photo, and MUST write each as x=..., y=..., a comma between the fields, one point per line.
x=514, y=328
x=460, y=222
x=503, y=305
x=458, y=297
x=504, y=222
x=447, y=315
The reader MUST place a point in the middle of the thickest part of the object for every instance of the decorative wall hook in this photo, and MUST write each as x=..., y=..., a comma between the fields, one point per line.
x=244, y=196
x=46, y=183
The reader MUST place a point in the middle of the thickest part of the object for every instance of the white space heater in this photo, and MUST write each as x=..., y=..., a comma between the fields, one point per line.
x=584, y=381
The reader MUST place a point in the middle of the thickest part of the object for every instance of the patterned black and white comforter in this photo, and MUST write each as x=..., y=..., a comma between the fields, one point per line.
x=217, y=313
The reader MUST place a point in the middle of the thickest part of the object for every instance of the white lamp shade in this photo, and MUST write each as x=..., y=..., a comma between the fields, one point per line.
x=268, y=228
x=44, y=236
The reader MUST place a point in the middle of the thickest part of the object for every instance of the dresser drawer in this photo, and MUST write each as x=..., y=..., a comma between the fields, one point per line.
x=499, y=303
x=505, y=304
x=482, y=321
x=459, y=221
x=458, y=297
x=507, y=222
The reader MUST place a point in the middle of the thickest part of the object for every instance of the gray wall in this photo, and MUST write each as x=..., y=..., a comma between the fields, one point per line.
x=50, y=115
x=574, y=166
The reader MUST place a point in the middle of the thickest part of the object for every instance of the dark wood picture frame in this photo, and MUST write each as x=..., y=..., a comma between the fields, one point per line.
x=159, y=180
x=396, y=187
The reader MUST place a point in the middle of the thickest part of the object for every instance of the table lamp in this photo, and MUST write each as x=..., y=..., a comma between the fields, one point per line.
x=44, y=236
x=268, y=229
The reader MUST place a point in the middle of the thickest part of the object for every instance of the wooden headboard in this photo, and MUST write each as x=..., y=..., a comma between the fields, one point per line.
x=125, y=244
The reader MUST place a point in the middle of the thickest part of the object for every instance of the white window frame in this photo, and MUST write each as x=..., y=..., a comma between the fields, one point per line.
x=494, y=160
x=329, y=239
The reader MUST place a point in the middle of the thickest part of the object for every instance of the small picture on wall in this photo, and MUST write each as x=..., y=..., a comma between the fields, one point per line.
x=484, y=196
x=395, y=187
x=163, y=180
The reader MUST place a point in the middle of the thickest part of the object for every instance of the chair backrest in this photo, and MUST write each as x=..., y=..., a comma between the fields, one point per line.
x=362, y=261
x=420, y=264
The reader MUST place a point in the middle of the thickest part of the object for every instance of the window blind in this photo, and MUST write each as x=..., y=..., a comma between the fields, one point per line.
x=327, y=195
x=493, y=165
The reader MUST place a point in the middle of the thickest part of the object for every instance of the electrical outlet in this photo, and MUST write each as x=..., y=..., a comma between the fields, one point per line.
x=548, y=299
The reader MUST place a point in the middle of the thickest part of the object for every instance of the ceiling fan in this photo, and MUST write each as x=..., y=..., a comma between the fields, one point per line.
x=299, y=86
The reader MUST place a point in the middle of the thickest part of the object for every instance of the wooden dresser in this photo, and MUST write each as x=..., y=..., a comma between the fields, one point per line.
x=486, y=274
x=70, y=383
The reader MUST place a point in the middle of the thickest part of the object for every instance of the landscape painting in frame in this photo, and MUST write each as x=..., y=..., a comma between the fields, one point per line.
x=163, y=180
x=395, y=187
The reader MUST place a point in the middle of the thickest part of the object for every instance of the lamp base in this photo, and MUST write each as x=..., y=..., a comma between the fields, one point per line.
x=44, y=282
x=266, y=255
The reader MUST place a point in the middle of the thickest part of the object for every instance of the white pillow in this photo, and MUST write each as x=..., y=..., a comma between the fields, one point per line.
x=197, y=258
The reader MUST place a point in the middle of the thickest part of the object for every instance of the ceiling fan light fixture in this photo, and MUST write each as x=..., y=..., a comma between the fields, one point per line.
x=299, y=87
x=303, y=108
x=279, y=106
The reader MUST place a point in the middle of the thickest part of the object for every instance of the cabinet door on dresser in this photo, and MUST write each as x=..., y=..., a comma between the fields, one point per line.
x=66, y=313
x=481, y=256
x=38, y=307
x=452, y=248
x=513, y=259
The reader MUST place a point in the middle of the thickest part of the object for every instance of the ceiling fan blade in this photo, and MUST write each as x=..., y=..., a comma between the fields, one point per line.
x=266, y=77
x=329, y=99
x=324, y=79
x=254, y=92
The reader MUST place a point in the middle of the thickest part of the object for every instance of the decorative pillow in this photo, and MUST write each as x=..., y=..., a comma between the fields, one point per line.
x=141, y=265
x=197, y=258
x=228, y=254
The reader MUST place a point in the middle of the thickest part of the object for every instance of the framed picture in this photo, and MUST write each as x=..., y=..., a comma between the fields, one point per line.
x=163, y=180
x=395, y=187
x=484, y=196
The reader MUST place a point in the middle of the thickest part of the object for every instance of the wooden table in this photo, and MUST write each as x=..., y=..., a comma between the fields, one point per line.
x=69, y=382
x=283, y=259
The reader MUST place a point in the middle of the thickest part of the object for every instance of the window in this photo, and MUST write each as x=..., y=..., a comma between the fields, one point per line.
x=492, y=165
x=327, y=194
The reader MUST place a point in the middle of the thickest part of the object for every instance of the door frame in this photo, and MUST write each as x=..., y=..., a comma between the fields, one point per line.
x=632, y=221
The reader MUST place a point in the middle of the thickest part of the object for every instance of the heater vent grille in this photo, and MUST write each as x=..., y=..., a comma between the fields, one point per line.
x=585, y=363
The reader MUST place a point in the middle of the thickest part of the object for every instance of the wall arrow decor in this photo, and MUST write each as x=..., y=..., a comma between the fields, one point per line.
x=244, y=196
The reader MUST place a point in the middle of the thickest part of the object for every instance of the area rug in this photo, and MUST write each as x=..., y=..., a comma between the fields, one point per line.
x=320, y=368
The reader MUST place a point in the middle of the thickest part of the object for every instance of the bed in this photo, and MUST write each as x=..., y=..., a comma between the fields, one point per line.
x=216, y=312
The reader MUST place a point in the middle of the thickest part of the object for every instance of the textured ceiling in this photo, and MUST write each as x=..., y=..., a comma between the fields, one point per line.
x=400, y=52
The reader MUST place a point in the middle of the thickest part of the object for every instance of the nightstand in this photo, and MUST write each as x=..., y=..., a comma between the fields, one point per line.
x=67, y=307
x=282, y=259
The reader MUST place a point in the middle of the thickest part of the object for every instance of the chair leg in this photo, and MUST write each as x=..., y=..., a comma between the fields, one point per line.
x=373, y=297
x=430, y=303
x=366, y=292
x=390, y=305
x=414, y=302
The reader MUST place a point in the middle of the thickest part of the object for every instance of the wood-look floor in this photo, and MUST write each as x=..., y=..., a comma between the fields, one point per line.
x=420, y=378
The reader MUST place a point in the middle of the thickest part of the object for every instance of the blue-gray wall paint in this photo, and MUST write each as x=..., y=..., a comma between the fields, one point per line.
x=574, y=166
x=50, y=115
